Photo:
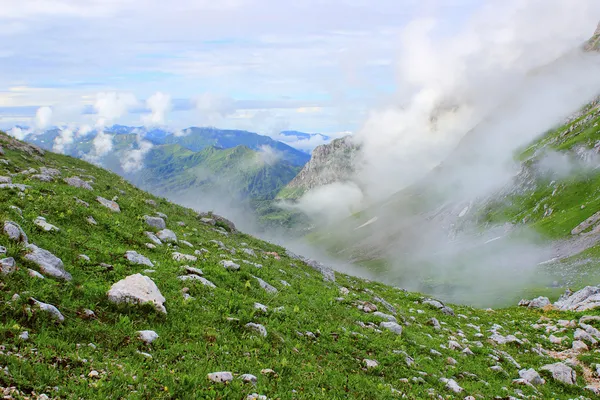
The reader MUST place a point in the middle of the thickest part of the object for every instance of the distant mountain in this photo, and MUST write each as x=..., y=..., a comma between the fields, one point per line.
x=333, y=162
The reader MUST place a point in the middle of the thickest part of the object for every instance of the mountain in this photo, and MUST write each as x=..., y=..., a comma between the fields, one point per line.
x=332, y=162
x=594, y=43
x=94, y=305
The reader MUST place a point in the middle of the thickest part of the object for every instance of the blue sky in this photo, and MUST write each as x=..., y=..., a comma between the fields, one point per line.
x=261, y=65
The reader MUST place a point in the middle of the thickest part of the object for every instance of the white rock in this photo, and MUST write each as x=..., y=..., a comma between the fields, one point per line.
x=531, y=376
x=388, y=317
x=153, y=238
x=84, y=257
x=452, y=385
x=585, y=299
x=110, y=204
x=192, y=270
x=14, y=232
x=562, y=373
x=370, y=363
x=136, y=258
x=45, y=226
x=137, y=289
x=34, y=274
x=76, y=181
x=7, y=266
x=94, y=374
x=147, y=336
x=48, y=263
x=228, y=264
x=184, y=257
x=260, y=307
x=220, y=377
x=167, y=235
x=90, y=220
x=155, y=222
x=248, y=378
x=24, y=335
x=579, y=346
x=257, y=328
x=392, y=327
x=202, y=280
x=188, y=244
x=256, y=396
x=268, y=288
x=49, y=308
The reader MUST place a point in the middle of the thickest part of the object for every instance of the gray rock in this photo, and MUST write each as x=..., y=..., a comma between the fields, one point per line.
x=137, y=289
x=2, y=250
x=260, y=307
x=585, y=299
x=249, y=378
x=192, y=270
x=48, y=263
x=17, y=186
x=49, y=308
x=562, y=373
x=228, y=264
x=49, y=171
x=110, y=204
x=388, y=317
x=451, y=385
x=5, y=179
x=538, y=302
x=257, y=328
x=45, y=226
x=42, y=178
x=24, y=336
x=435, y=323
x=167, y=235
x=198, y=278
x=7, y=266
x=77, y=182
x=150, y=202
x=185, y=242
x=81, y=202
x=220, y=377
x=370, y=363
x=392, y=327
x=90, y=220
x=136, y=258
x=147, y=336
x=14, y=232
x=230, y=226
x=268, y=288
x=153, y=238
x=155, y=222
x=34, y=274
x=531, y=376
x=440, y=306
x=184, y=257
x=582, y=335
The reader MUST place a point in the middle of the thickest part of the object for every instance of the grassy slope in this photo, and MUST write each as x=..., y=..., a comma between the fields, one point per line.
x=196, y=336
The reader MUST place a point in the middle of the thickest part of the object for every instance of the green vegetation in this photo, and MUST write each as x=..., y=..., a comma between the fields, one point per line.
x=207, y=333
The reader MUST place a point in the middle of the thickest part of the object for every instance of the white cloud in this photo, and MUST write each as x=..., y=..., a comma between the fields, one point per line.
x=159, y=104
x=133, y=159
x=63, y=140
x=18, y=133
x=110, y=106
x=102, y=144
x=43, y=117
x=268, y=155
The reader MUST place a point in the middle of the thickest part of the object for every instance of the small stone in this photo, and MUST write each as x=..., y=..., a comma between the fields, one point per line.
x=186, y=243
x=256, y=396
x=370, y=363
x=167, y=235
x=48, y=263
x=228, y=264
x=451, y=385
x=249, y=378
x=49, y=308
x=531, y=376
x=90, y=220
x=260, y=307
x=7, y=266
x=153, y=238
x=34, y=274
x=14, y=232
x=388, y=317
x=392, y=327
x=88, y=314
x=579, y=346
x=76, y=181
x=135, y=258
x=435, y=323
x=45, y=226
x=258, y=328
x=94, y=374
x=220, y=377
x=202, y=280
x=147, y=336
x=184, y=257
x=192, y=270
x=268, y=288
x=81, y=202
x=147, y=355
x=110, y=204
x=24, y=335
x=369, y=307
x=84, y=257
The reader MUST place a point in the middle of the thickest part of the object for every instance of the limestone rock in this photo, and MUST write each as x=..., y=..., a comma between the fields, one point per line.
x=147, y=336
x=153, y=238
x=268, y=288
x=7, y=266
x=155, y=222
x=257, y=328
x=49, y=308
x=167, y=235
x=137, y=289
x=228, y=264
x=220, y=377
x=585, y=299
x=202, y=280
x=531, y=376
x=110, y=204
x=77, y=182
x=45, y=226
x=136, y=258
x=14, y=232
x=184, y=257
x=562, y=373
x=392, y=327
x=48, y=263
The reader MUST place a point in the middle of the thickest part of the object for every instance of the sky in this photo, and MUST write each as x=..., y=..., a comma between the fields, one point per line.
x=260, y=65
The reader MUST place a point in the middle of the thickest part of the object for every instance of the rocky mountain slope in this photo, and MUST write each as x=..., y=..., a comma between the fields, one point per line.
x=109, y=292
x=333, y=162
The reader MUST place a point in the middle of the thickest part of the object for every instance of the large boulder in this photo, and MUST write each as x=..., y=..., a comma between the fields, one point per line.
x=167, y=235
x=47, y=262
x=214, y=219
x=14, y=232
x=155, y=222
x=585, y=299
x=137, y=289
x=562, y=373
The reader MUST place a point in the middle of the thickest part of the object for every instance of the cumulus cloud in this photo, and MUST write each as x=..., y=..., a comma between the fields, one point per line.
x=214, y=108
x=102, y=144
x=18, y=133
x=133, y=159
x=159, y=104
x=110, y=106
x=43, y=117
x=64, y=139
x=83, y=130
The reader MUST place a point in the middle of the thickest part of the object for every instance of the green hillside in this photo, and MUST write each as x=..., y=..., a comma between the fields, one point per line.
x=312, y=337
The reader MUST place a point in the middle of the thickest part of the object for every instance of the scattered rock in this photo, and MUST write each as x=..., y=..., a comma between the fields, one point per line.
x=579, y=347
x=268, y=288
x=435, y=323
x=587, y=298
x=260, y=307
x=42, y=178
x=5, y=179
x=221, y=221
x=110, y=204
x=77, y=182
x=256, y=396
x=147, y=336
x=249, y=378
x=17, y=186
x=49, y=308
x=220, y=377
x=24, y=335
x=192, y=270
x=150, y=202
x=184, y=242
x=184, y=257
x=440, y=306
x=451, y=385
x=531, y=376
x=14, y=232
x=202, y=280
x=257, y=328
x=81, y=202
x=137, y=289
x=45, y=226
x=34, y=274
x=167, y=235
x=228, y=264
x=7, y=266
x=153, y=238
x=48, y=263
x=392, y=327
x=370, y=363
x=538, y=302
x=562, y=373
x=136, y=258
x=90, y=220
x=155, y=222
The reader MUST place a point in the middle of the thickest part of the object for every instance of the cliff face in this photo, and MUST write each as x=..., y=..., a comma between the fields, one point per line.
x=329, y=163
x=594, y=43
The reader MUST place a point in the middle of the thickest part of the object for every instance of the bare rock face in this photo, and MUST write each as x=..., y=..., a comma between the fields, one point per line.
x=47, y=262
x=587, y=298
x=329, y=163
x=137, y=289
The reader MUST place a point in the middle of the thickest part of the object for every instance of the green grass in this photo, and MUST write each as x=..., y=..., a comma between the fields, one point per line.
x=197, y=337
